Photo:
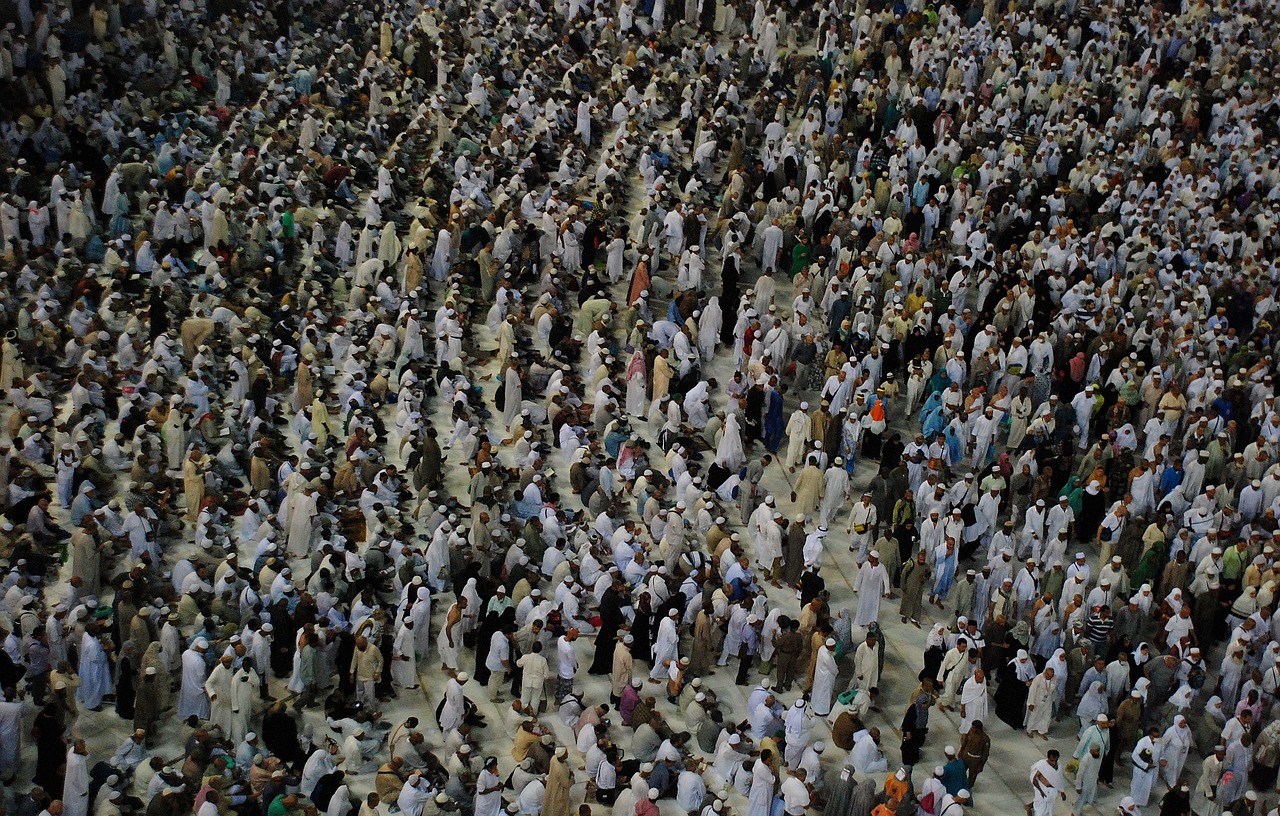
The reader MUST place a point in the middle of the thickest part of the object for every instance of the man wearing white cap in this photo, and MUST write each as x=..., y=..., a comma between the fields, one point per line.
x=666, y=646
x=872, y=585
x=863, y=517
x=414, y=795
x=249, y=750
x=132, y=752
x=954, y=805
x=798, y=436
x=218, y=688
x=822, y=693
x=866, y=665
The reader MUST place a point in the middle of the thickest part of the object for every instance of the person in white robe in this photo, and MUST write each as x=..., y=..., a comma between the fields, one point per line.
x=437, y=565
x=872, y=586
x=835, y=491
x=729, y=453
x=1040, y=699
x=244, y=703
x=440, y=260
x=75, y=783
x=218, y=687
x=454, y=708
x=192, y=699
x=862, y=521
x=710, y=322
x=763, y=781
x=866, y=756
x=822, y=694
x=404, y=666
x=95, y=671
x=1047, y=785
x=866, y=665
x=1146, y=768
x=974, y=702
x=174, y=432
x=637, y=385
x=795, y=726
x=414, y=795
x=11, y=714
x=339, y=802
x=449, y=641
x=798, y=429
x=666, y=646
x=952, y=671
x=1092, y=703
x=513, y=396
x=321, y=762
x=302, y=515
x=488, y=801
x=1174, y=746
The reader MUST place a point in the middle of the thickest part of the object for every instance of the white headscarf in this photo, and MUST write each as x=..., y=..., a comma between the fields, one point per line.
x=1093, y=703
x=1023, y=666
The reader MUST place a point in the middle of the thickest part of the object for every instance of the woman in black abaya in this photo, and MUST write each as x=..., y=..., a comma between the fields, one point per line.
x=642, y=628
x=1011, y=695
x=126, y=680
x=612, y=605
x=51, y=748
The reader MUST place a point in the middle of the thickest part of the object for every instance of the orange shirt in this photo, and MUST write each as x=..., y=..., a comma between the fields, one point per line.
x=895, y=789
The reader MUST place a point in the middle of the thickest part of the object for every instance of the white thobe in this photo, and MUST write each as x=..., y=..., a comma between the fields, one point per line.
x=75, y=786
x=192, y=699
x=824, y=682
x=872, y=584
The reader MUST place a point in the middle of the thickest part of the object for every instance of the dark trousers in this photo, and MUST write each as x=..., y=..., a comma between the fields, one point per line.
x=744, y=666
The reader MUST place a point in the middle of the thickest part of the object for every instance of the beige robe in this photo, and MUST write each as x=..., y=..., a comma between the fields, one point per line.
x=302, y=391
x=808, y=489
x=86, y=562
x=320, y=423
x=192, y=487
x=620, y=674
x=1040, y=705
x=661, y=378
x=559, y=781
x=259, y=474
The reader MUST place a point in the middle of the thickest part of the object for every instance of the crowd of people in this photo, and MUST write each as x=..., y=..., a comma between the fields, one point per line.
x=427, y=408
